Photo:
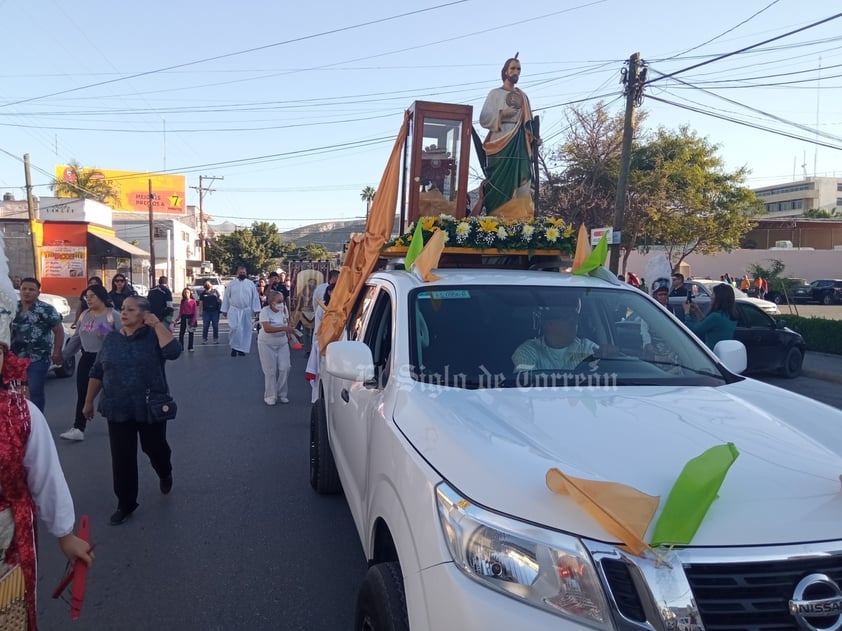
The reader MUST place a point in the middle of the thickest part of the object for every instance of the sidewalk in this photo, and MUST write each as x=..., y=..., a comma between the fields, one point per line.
x=824, y=366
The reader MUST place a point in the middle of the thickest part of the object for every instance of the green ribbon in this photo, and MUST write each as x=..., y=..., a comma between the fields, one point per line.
x=692, y=494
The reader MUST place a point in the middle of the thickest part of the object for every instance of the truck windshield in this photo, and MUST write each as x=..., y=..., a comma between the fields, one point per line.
x=487, y=336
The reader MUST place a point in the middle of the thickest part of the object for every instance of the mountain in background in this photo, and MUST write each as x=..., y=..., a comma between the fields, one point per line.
x=330, y=234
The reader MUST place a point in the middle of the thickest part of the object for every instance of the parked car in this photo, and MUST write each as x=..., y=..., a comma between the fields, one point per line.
x=142, y=290
x=781, y=290
x=67, y=368
x=59, y=303
x=442, y=449
x=703, y=294
x=826, y=292
x=770, y=345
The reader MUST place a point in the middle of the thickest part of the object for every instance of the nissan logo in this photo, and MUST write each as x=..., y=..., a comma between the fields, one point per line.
x=817, y=599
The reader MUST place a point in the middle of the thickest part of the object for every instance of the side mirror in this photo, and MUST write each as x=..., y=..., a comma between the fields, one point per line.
x=733, y=354
x=780, y=324
x=349, y=360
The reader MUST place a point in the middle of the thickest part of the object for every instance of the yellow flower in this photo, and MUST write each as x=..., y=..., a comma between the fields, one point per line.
x=568, y=232
x=399, y=242
x=463, y=229
x=553, y=234
x=488, y=224
x=555, y=222
x=428, y=223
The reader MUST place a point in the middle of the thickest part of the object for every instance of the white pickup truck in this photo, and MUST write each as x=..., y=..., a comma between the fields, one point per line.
x=441, y=445
x=199, y=286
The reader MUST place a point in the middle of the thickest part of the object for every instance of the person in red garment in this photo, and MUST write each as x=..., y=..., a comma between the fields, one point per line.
x=32, y=482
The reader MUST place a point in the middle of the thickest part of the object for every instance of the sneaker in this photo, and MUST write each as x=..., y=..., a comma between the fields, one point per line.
x=204, y=341
x=190, y=350
x=283, y=400
x=270, y=401
x=120, y=515
x=74, y=433
x=216, y=341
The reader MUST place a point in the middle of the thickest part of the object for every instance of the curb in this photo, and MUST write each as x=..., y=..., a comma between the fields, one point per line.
x=822, y=375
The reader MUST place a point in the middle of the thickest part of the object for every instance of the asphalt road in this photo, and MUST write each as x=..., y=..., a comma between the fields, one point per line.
x=242, y=542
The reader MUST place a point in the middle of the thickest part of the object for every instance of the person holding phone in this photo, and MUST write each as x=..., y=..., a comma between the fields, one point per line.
x=720, y=322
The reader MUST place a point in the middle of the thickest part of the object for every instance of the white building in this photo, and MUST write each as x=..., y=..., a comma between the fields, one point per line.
x=793, y=199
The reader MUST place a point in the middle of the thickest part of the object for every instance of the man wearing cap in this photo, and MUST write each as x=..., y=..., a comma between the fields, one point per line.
x=559, y=348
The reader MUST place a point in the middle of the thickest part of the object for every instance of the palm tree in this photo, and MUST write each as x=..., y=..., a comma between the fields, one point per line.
x=367, y=195
x=83, y=183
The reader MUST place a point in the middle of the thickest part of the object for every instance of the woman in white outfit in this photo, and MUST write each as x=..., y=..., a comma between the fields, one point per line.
x=273, y=348
x=312, y=372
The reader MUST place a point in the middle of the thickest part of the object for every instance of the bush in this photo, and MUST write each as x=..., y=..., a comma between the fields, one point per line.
x=820, y=334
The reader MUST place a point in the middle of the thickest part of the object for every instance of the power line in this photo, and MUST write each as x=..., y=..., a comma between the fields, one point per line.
x=733, y=28
x=744, y=123
x=239, y=52
x=745, y=49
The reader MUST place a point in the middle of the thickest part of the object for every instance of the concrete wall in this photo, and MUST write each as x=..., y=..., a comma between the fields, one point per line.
x=811, y=265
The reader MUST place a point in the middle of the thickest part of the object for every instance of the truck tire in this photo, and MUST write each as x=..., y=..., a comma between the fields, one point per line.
x=324, y=478
x=381, y=604
x=67, y=368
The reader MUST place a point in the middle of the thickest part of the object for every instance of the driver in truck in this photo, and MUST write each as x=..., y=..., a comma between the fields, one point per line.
x=559, y=347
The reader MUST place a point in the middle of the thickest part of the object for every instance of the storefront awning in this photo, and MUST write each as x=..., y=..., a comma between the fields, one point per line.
x=106, y=245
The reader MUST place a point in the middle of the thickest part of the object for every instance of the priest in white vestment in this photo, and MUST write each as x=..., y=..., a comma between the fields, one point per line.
x=240, y=305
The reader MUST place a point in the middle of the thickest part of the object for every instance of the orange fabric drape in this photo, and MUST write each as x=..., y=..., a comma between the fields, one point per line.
x=364, y=249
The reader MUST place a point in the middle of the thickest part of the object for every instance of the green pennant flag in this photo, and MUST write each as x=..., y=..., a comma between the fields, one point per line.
x=596, y=258
x=415, y=247
x=692, y=494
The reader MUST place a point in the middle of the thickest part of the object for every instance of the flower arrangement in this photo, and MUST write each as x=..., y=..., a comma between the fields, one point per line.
x=486, y=233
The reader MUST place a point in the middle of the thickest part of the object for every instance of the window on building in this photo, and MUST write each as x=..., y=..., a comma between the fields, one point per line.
x=783, y=189
x=160, y=232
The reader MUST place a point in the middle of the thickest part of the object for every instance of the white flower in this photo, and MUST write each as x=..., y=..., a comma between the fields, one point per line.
x=553, y=235
x=502, y=234
x=528, y=231
x=463, y=229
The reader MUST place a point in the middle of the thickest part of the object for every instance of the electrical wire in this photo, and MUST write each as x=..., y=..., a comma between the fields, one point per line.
x=733, y=28
x=745, y=123
x=239, y=52
x=745, y=49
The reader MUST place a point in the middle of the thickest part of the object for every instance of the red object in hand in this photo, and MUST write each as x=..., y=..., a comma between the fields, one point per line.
x=78, y=574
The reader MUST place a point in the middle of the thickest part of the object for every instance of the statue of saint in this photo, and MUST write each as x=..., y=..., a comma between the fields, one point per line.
x=508, y=147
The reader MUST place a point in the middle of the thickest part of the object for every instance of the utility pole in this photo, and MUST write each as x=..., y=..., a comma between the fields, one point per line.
x=202, y=190
x=152, y=281
x=634, y=80
x=30, y=206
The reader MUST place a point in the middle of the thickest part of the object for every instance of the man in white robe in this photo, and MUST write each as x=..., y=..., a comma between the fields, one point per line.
x=240, y=305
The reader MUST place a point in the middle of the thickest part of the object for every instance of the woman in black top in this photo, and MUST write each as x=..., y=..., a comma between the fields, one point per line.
x=128, y=367
x=120, y=290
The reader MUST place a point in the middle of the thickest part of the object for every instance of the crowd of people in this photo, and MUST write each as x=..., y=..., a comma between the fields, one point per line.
x=123, y=341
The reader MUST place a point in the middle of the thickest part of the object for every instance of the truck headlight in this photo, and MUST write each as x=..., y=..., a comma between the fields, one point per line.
x=547, y=569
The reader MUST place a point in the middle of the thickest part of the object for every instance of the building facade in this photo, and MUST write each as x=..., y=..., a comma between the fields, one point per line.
x=793, y=199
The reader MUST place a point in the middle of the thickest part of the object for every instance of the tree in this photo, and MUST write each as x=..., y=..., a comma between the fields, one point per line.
x=310, y=252
x=700, y=206
x=85, y=184
x=821, y=213
x=367, y=195
x=257, y=248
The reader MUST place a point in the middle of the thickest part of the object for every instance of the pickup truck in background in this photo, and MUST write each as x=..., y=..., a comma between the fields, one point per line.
x=199, y=286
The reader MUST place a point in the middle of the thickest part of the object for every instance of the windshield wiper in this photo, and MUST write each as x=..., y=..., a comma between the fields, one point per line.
x=703, y=373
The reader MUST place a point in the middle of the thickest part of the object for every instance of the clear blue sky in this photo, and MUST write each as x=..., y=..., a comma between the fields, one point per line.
x=332, y=81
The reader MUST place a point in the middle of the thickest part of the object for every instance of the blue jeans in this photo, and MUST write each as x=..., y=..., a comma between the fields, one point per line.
x=36, y=375
x=208, y=318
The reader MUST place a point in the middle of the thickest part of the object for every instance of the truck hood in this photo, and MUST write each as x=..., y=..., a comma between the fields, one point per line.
x=495, y=447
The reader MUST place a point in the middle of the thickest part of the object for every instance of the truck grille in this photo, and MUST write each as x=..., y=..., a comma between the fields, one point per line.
x=754, y=596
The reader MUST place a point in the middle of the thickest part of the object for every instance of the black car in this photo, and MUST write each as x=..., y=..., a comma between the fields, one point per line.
x=826, y=292
x=782, y=290
x=770, y=345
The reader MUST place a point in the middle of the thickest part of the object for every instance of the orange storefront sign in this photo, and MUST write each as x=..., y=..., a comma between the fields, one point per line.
x=132, y=188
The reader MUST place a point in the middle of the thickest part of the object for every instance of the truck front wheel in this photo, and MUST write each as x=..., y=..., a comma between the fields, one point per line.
x=381, y=604
x=324, y=478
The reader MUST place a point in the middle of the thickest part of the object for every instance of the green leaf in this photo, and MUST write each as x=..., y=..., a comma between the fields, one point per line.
x=692, y=494
x=415, y=247
x=596, y=258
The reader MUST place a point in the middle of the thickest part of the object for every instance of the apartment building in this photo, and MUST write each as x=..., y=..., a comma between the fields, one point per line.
x=793, y=199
